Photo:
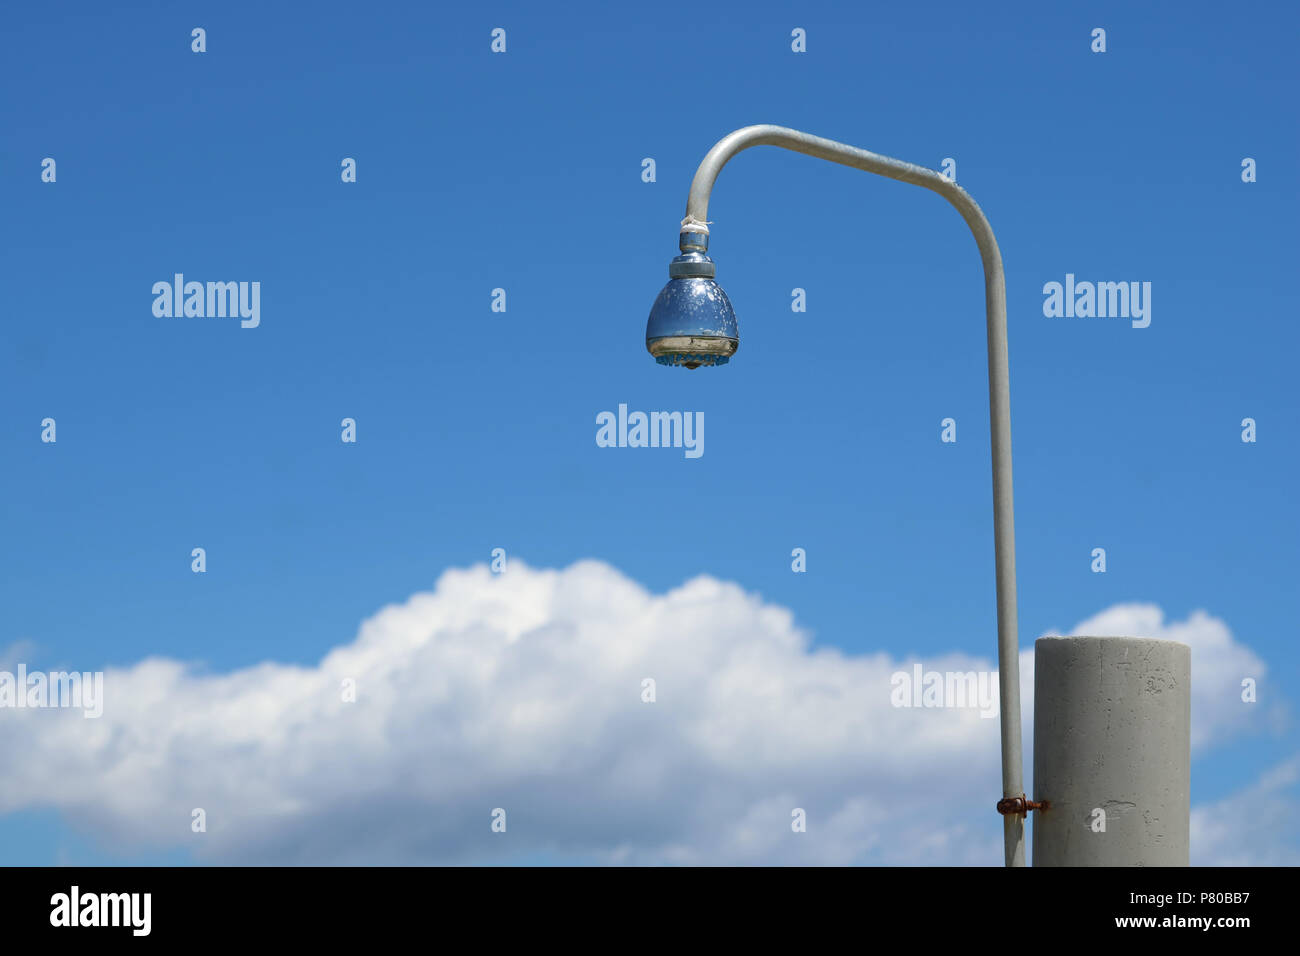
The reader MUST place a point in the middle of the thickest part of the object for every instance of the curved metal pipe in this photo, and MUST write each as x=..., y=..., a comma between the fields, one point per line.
x=995, y=303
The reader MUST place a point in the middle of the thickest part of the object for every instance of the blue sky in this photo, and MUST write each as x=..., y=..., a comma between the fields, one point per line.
x=522, y=171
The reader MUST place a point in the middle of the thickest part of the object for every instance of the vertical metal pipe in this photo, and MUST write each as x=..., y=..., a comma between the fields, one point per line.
x=1112, y=740
x=1004, y=532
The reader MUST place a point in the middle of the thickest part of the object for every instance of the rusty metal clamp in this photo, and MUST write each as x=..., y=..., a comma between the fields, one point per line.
x=1020, y=804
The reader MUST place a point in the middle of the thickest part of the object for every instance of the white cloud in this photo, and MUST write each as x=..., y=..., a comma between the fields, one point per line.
x=1219, y=664
x=523, y=691
x=1255, y=826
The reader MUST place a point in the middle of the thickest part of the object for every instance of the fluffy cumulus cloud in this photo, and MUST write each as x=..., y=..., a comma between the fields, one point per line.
x=1259, y=825
x=1256, y=826
x=524, y=691
x=1219, y=665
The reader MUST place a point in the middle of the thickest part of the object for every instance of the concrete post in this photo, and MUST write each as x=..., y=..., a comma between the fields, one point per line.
x=1112, y=741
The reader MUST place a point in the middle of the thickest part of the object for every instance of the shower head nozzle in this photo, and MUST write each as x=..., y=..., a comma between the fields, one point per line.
x=692, y=323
